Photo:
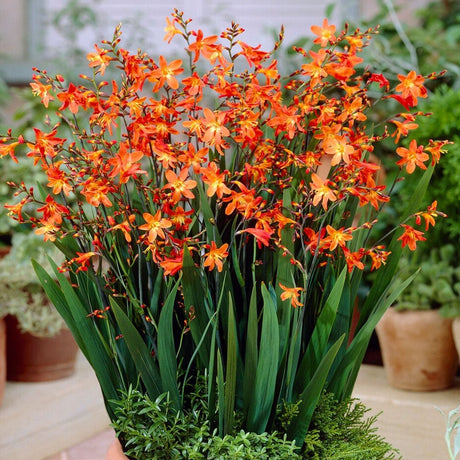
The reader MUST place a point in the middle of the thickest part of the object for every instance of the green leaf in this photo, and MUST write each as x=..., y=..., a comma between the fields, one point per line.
x=140, y=354
x=319, y=342
x=344, y=377
x=386, y=274
x=230, y=376
x=74, y=312
x=167, y=350
x=285, y=276
x=310, y=396
x=195, y=301
x=220, y=393
x=267, y=367
x=251, y=356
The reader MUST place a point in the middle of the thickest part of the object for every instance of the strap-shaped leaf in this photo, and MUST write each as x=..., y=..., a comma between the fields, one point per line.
x=220, y=393
x=167, y=349
x=251, y=355
x=385, y=275
x=310, y=396
x=192, y=289
x=74, y=312
x=140, y=354
x=231, y=369
x=344, y=377
x=267, y=367
x=318, y=344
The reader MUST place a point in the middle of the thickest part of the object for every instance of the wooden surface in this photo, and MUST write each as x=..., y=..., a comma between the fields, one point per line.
x=41, y=419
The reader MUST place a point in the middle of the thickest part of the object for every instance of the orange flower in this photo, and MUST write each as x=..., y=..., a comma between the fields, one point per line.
x=214, y=128
x=58, y=180
x=323, y=193
x=215, y=180
x=325, y=33
x=96, y=192
x=179, y=185
x=340, y=150
x=126, y=164
x=429, y=215
x=39, y=89
x=411, y=87
x=171, y=30
x=412, y=157
x=193, y=85
x=83, y=260
x=45, y=145
x=53, y=211
x=8, y=149
x=166, y=73
x=315, y=68
x=403, y=127
x=180, y=218
x=71, y=99
x=336, y=237
x=155, y=225
x=99, y=59
x=202, y=45
x=15, y=210
x=215, y=256
x=410, y=237
x=192, y=157
x=254, y=55
x=262, y=236
x=172, y=265
x=124, y=227
x=48, y=229
x=378, y=256
x=291, y=294
x=354, y=259
x=436, y=149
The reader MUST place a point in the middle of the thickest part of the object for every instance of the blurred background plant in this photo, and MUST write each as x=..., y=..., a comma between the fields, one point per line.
x=437, y=285
x=22, y=295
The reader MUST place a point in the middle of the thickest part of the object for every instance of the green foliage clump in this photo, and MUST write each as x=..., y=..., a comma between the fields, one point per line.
x=444, y=107
x=154, y=429
x=430, y=45
x=341, y=430
x=22, y=294
x=437, y=285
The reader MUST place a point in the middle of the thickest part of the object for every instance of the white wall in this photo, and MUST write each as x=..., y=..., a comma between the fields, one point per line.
x=144, y=20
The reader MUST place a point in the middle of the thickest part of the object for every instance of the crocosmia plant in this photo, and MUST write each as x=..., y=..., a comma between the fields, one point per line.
x=217, y=218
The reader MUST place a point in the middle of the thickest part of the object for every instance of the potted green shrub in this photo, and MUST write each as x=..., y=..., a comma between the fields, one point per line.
x=416, y=338
x=220, y=223
x=39, y=345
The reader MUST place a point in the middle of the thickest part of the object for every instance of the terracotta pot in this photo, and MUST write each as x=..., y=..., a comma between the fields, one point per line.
x=2, y=358
x=418, y=350
x=115, y=451
x=39, y=359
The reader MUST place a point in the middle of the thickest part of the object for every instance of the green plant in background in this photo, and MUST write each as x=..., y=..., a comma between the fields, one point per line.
x=429, y=46
x=437, y=284
x=21, y=294
x=444, y=107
